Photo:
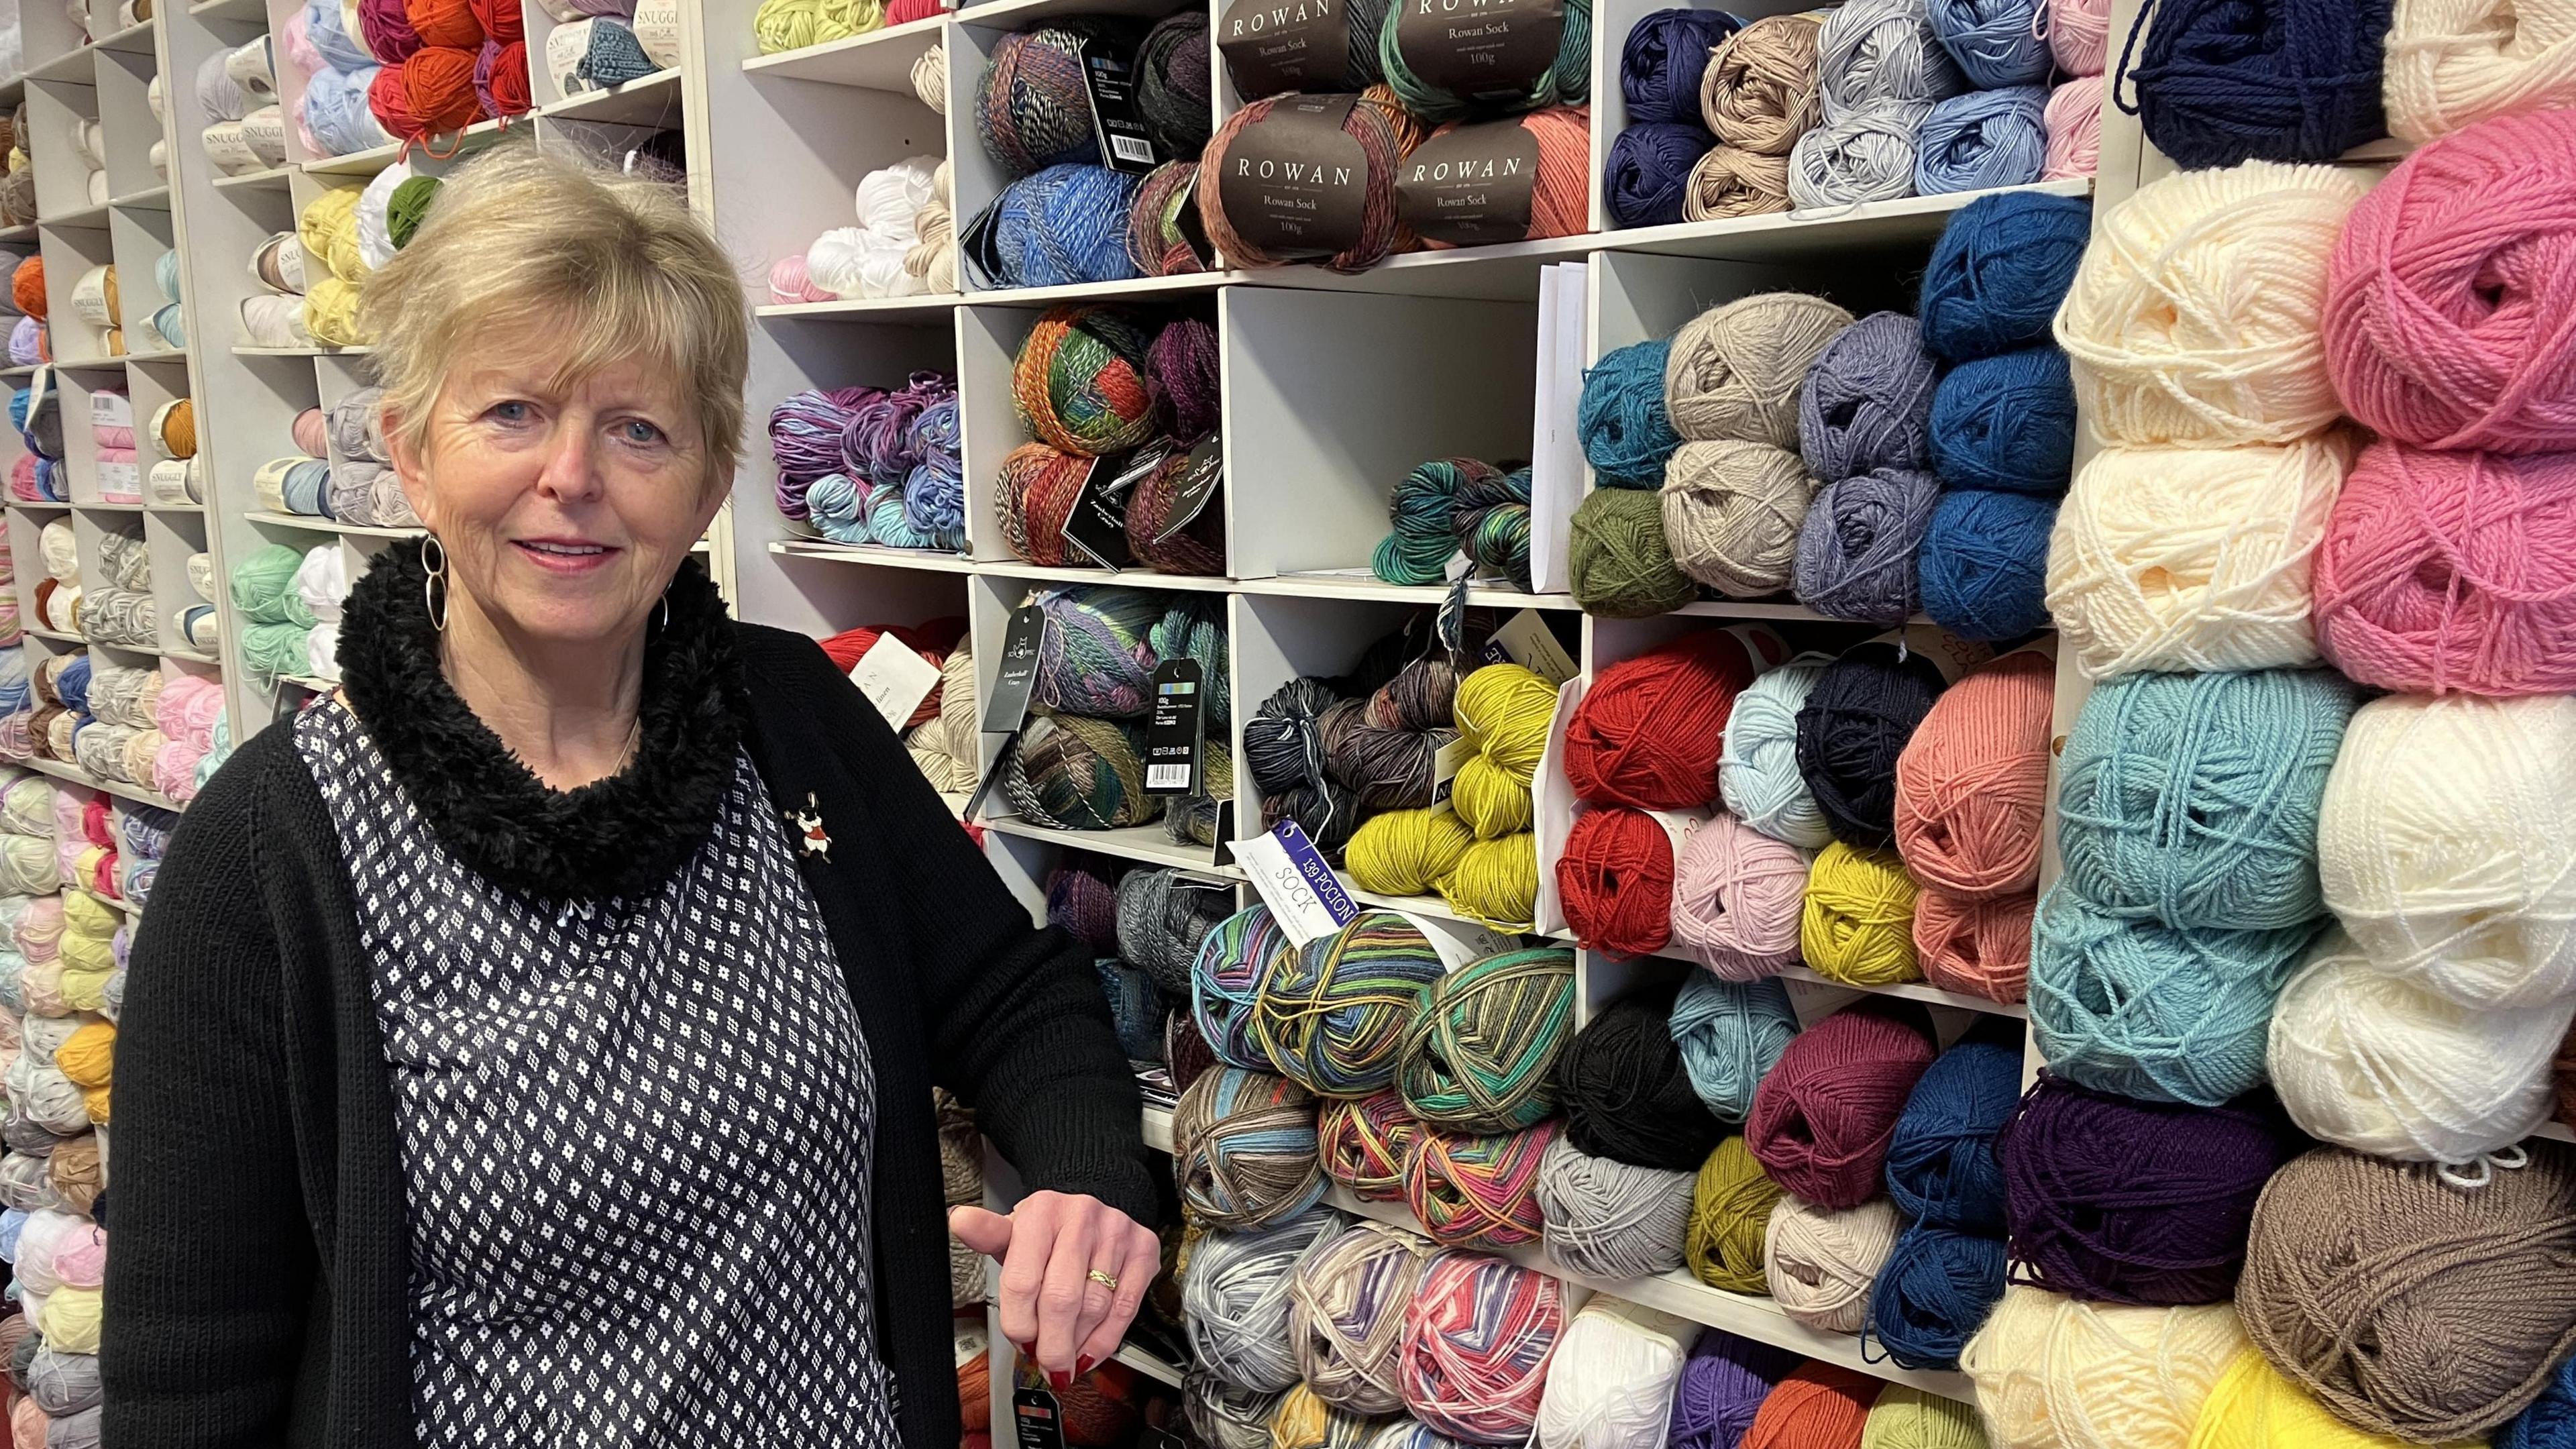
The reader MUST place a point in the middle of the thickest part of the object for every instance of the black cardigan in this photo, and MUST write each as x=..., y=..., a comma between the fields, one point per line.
x=258, y=1291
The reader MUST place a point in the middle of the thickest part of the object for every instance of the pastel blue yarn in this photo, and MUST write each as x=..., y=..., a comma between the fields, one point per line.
x=2550, y=1422
x=2159, y=1013
x=934, y=493
x=1941, y=1166
x=12, y=1223
x=19, y=401
x=73, y=684
x=1730, y=1035
x=13, y=698
x=1983, y=566
x=1982, y=140
x=1626, y=434
x=835, y=508
x=1996, y=42
x=172, y=323
x=53, y=480
x=335, y=110
x=307, y=489
x=337, y=46
x=887, y=523
x=2007, y=423
x=1934, y=1291
x=1066, y=224
x=1998, y=272
x=165, y=275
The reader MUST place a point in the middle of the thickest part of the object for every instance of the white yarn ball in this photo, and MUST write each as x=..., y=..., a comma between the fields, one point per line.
x=2193, y=558
x=2194, y=316
x=322, y=661
x=2054, y=1372
x=2447, y=848
x=1819, y=1264
x=61, y=549
x=1611, y=1383
x=889, y=198
x=322, y=581
x=2365, y=1060
x=930, y=78
x=375, y=231
x=2451, y=63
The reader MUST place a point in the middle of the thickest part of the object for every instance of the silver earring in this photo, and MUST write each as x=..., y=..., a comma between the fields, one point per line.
x=666, y=611
x=433, y=562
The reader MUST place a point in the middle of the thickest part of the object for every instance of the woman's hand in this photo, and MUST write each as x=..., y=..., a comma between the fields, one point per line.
x=1073, y=1271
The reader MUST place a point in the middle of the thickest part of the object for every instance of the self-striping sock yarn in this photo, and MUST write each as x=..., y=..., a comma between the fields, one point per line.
x=1081, y=381
x=1506, y=80
x=1360, y=69
x=1815, y=1406
x=1730, y=1035
x=1819, y=1264
x=1731, y=1202
x=1823, y=1118
x=1233, y=959
x=1647, y=179
x=1757, y=775
x=1857, y=925
x=1760, y=92
x=2006, y=423
x=1983, y=564
x=2453, y=63
x=1225, y=1416
x=1030, y=105
x=1609, y=1218
x=1942, y=1165
x=2052, y=1370
x=1481, y=1053
x=1735, y=371
x=1649, y=731
x=1076, y=772
x=1614, y=879
x=1478, y=1190
x=1983, y=140
x=1664, y=58
x=2217, y=83
x=1173, y=77
x=1935, y=1291
x=1243, y=1149
x=1378, y=128
x=1851, y=727
x=1627, y=435
x=1857, y=546
x=1478, y=1339
x=1364, y=1144
x=1626, y=1093
x=1332, y=1013
x=1346, y=1315
x=1722, y=1387
x=1737, y=898
x=1236, y=1293
x=1063, y=226
x=2000, y=269
x=1867, y=400
x=1617, y=562
x=1972, y=781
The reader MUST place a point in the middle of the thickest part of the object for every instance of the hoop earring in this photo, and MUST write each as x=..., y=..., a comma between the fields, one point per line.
x=433, y=597
x=666, y=611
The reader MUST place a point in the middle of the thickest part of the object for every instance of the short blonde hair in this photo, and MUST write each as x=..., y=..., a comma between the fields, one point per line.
x=616, y=266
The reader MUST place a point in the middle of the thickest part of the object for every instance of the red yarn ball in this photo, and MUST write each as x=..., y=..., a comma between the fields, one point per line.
x=1824, y=1115
x=1650, y=730
x=508, y=81
x=1099, y=1408
x=453, y=24
x=1615, y=880
x=499, y=18
x=390, y=100
x=904, y=12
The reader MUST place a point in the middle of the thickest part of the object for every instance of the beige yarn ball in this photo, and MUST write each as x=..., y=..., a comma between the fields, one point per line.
x=2194, y=316
x=1731, y=514
x=1735, y=370
x=2193, y=558
x=1729, y=182
x=2451, y=63
x=1819, y=1264
x=2055, y=1373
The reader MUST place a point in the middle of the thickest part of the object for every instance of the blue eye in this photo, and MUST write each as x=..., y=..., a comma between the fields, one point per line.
x=509, y=412
x=639, y=432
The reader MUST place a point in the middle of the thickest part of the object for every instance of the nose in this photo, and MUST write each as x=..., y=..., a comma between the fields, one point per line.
x=571, y=472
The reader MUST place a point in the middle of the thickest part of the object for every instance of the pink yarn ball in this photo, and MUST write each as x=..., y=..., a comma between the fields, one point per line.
x=1737, y=896
x=312, y=433
x=299, y=47
x=2074, y=123
x=2079, y=33
x=2449, y=297
x=174, y=770
x=788, y=282
x=80, y=1259
x=2452, y=572
x=27, y=1425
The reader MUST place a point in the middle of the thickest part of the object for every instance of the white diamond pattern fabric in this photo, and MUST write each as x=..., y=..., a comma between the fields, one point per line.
x=636, y=1139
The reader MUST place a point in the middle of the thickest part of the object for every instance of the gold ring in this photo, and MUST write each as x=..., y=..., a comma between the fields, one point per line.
x=1105, y=1280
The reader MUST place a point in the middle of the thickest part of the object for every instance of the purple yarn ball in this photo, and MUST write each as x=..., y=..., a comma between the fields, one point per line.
x=1856, y=549
x=1722, y=1386
x=1867, y=402
x=1183, y=362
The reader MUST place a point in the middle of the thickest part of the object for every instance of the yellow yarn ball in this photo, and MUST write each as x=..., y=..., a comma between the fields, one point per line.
x=86, y=953
x=1406, y=852
x=1496, y=882
x=85, y=915
x=94, y=1101
x=1909, y=1418
x=1730, y=1217
x=794, y=24
x=88, y=1056
x=1503, y=712
x=1489, y=799
x=1858, y=924
x=71, y=1319
x=2055, y=1373
x=1302, y=1421
x=329, y=228
x=331, y=313
x=2254, y=1407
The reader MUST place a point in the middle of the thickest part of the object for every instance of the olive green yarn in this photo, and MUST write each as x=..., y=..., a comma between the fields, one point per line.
x=408, y=207
x=1617, y=561
x=1481, y=1053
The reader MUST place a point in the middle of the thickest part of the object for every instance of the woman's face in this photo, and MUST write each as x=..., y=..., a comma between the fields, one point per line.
x=564, y=505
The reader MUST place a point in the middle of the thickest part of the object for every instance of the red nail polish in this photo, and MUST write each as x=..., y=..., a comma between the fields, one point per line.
x=1059, y=1379
x=1028, y=1348
x=1084, y=1365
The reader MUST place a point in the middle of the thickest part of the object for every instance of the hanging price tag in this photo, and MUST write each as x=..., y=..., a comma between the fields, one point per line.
x=894, y=678
x=1172, y=735
x=1290, y=876
x=1008, y=707
x=1038, y=1419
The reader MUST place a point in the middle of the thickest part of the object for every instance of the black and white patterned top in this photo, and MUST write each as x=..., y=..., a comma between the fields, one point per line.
x=635, y=1135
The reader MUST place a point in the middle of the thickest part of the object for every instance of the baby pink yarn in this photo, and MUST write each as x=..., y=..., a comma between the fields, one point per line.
x=2445, y=572
x=1737, y=894
x=2078, y=34
x=80, y=1259
x=312, y=433
x=788, y=282
x=2074, y=123
x=2450, y=316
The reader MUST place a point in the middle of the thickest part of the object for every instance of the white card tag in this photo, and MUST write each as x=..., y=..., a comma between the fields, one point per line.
x=894, y=678
x=1526, y=639
x=1290, y=876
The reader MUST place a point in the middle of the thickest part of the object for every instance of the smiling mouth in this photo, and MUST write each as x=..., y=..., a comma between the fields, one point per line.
x=561, y=556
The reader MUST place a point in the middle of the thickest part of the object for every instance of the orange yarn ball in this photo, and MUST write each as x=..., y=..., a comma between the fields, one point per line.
x=438, y=88
x=450, y=23
x=1978, y=946
x=975, y=1393
x=1818, y=1406
x=1561, y=203
x=509, y=81
x=1099, y=1408
x=1973, y=780
x=27, y=287
x=1035, y=493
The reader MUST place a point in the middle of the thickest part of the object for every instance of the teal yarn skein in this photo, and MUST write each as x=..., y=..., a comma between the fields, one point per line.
x=1627, y=436
x=2154, y=1012
x=2193, y=799
x=1730, y=1035
x=1422, y=508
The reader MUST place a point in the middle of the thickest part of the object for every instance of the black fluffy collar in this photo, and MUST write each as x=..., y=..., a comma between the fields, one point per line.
x=622, y=836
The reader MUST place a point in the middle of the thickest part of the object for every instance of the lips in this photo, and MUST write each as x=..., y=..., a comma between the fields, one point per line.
x=564, y=555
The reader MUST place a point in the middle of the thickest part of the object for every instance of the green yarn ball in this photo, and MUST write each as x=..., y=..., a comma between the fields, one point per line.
x=408, y=207
x=1568, y=80
x=1073, y=772
x=264, y=589
x=1480, y=1055
x=1617, y=560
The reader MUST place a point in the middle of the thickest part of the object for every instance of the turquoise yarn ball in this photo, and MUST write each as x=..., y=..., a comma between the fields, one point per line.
x=1730, y=1035
x=1983, y=564
x=2159, y=1013
x=1620, y=417
x=2193, y=798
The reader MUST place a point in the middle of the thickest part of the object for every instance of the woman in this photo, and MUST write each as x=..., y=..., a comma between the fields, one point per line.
x=534, y=1044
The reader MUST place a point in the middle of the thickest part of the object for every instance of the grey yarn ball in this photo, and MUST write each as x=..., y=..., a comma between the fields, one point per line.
x=1226, y=1417
x=1867, y=403
x=63, y=1384
x=1162, y=917
x=1856, y=549
x=1610, y=1218
x=1877, y=52
x=1732, y=511
x=1866, y=156
x=1236, y=1295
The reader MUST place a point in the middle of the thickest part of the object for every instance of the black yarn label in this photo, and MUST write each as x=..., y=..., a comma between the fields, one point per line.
x=983, y=247
x=1007, y=708
x=1272, y=46
x=1197, y=486
x=1037, y=1419
x=1109, y=75
x=1470, y=186
x=1479, y=50
x=1172, y=734
x=1192, y=226
x=1292, y=184
x=1098, y=523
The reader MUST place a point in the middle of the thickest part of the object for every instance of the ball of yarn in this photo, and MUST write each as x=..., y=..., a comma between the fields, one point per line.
x=2217, y=84
x=1722, y=1387
x=1377, y=126
x=1612, y=1382
x=1232, y=960
x=1760, y=91
x=1664, y=59
x=1999, y=271
x=1983, y=563
x=1982, y=140
x=1626, y=1092
x=1478, y=1338
x=1975, y=945
x=1649, y=730
x=1154, y=241
x=2161, y=1013
x=2371, y=1062
x=1172, y=82
x=1064, y=225
x=1364, y=1143
x=2006, y=423
x=1495, y=883
x=2194, y=798
x=1879, y=52
x=1237, y=1292
x=1347, y=1302
x=2052, y=1370
x=2074, y=122
x=2435, y=850
x=2453, y=63
x=1995, y=42
x=1243, y=1149
x=1646, y=181
x=1161, y=919
x=2125, y=1201
x=1905, y=1417
x=1561, y=197
x=1942, y=1164
x=1480, y=1055
x=1729, y=182
x=1814, y=1406
x=1934, y=1292
x=1863, y=156
x=1857, y=546
x=1617, y=563
x=437, y=91
x=1423, y=538
x=1620, y=416
x=1823, y=1118
x=27, y=287
x=1224, y=1416
x=1074, y=772
x=1567, y=78
x=1867, y=400
x=1080, y=380
x=1758, y=775
x=1972, y=782
x=1737, y=895
x=1818, y=1264
x=1478, y=1190
x=2359, y=1274
x=1096, y=659
x=1332, y=1013
x=2195, y=318
x=1857, y=925
x=1735, y=371
x=1854, y=722
x=1614, y=878
x=1032, y=109
x=1609, y=1218
x=1182, y=361
x=2193, y=559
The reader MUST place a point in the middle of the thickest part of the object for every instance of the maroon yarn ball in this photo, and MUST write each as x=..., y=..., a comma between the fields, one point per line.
x=2124, y=1201
x=1085, y=903
x=1182, y=361
x=1823, y=1117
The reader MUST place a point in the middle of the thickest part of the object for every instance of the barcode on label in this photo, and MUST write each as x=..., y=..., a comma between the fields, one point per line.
x=1131, y=148
x=1167, y=777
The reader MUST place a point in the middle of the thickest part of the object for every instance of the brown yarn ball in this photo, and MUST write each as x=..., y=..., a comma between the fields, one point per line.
x=1730, y=181
x=1035, y=493
x=76, y=1173
x=961, y=1149
x=1736, y=371
x=1731, y=515
x=1760, y=91
x=2408, y=1304
x=1379, y=128
x=1196, y=549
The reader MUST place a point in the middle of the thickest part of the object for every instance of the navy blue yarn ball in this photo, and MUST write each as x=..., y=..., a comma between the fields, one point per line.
x=1941, y=1166
x=1647, y=176
x=2223, y=81
x=1663, y=58
x=2001, y=267
x=2006, y=423
x=1935, y=1291
x=1984, y=563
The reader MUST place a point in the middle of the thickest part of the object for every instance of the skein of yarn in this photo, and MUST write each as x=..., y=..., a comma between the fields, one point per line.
x=1731, y=1203
x=1346, y=1315
x=1983, y=140
x=2074, y=124
x=1823, y=1118
x=1867, y=400
x=1858, y=542
x=1516, y=62
x=1818, y=1264
x=1365, y=1143
x=1240, y=220
x=1626, y=433
x=1730, y=182
x=1814, y=1406
x=1664, y=59
x=1722, y=1387
x=1626, y=1092
x=1477, y=1190
x=1942, y=1166
x=1737, y=897
x=2453, y=63
x=1332, y=1013
x=1647, y=180
x=1880, y=52
x=1611, y=1383
x=1730, y=1035
x=1243, y=1149
x=1996, y=42
x=1618, y=564
x=1478, y=1338
x=1080, y=380
x=1760, y=91
x=1611, y=1218
x=1857, y=925
x=1231, y=963
x=1934, y=1292
x=1736, y=371
x=2006, y=423
x=1442, y=201
x=2000, y=270
x=2217, y=84
x=1757, y=775
x=2052, y=1370
x=1972, y=781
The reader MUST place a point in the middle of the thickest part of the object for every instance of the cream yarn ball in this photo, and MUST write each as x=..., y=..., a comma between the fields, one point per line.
x=2451, y=63
x=2446, y=846
x=2193, y=558
x=1734, y=371
x=1611, y=1383
x=2367, y=1061
x=1819, y=1264
x=2194, y=316
x=1731, y=514
x=2055, y=1373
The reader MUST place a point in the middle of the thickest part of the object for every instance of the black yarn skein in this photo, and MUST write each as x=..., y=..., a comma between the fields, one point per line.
x=1626, y=1094
x=1864, y=708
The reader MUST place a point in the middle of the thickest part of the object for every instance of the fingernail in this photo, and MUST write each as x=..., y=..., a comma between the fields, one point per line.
x=1028, y=1348
x=1059, y=1379
x=1084, y=1365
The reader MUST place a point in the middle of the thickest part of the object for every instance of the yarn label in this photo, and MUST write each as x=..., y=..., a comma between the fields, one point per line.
x=982, y=246
x=1017, y=674
x=1470, y=186
x=894, y=678
x=1445, y=765
x=1109, y=77
x=1098, y=523
x=1949, y=653
x=1294, y=185
x=229, y=149
x=1037, y=1419
x=1196, y=488
x=1272, y=46
x=1172, y=738
x=1479, y=50
x=1290, y=876
x=1526, y=641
